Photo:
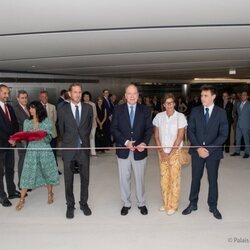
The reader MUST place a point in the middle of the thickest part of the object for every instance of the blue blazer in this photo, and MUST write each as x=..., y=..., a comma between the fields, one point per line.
x=122, y=130
x=213, y=134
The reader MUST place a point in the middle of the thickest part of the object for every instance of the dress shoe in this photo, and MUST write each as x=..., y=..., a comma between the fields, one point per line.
x=5, y=202
x=235, y=154
x=246, y=156
x=171, y=212
x=16, y=194
x=70, y=212
x=216, y=213
x=124, y=210
x=86, y=210
x=143, y=210
x=59, y=172
x=189, y=209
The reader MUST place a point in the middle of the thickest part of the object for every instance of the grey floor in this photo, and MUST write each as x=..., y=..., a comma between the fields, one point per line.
x=43, y=226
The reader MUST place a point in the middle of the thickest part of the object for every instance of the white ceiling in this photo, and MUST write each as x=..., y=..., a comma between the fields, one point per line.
x=158, y=39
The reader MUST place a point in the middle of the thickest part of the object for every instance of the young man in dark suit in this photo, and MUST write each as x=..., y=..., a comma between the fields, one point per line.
x=8, y=126
x=132, y=129
x=207, y=131
x=75, y=123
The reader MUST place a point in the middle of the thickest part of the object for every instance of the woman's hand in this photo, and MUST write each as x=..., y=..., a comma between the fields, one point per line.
x=12, y=143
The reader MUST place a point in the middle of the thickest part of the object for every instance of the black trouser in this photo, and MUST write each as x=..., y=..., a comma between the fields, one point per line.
x=82, y=157
x=53, y=145
x=7, y=164
x=212, y=166
x=227, y=142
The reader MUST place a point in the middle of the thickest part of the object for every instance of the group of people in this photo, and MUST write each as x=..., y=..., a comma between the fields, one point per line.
x=131, y=127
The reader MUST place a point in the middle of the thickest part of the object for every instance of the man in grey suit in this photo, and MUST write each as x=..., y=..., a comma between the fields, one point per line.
x=243, y=125
x=22, y=113
x=75, y=122
x=132, y=129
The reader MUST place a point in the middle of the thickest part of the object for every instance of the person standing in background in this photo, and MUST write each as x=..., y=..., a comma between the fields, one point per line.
x=8, y=126
x=22, y=113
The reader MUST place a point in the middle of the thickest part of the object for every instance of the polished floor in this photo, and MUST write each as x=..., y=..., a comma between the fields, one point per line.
x=41, y=226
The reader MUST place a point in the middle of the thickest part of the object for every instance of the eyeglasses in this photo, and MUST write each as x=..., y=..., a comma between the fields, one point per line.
x=169, y=103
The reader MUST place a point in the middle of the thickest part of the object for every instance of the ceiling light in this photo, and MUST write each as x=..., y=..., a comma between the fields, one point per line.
x=232, y=71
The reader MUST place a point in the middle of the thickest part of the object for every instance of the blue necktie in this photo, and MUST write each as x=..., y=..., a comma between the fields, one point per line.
x=132, y=116
x=207, y=115
x=241, y=106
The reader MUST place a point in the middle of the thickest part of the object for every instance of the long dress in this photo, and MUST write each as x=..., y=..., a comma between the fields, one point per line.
x=39, y=167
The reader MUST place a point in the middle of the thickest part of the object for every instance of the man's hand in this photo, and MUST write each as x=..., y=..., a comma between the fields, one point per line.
x=130, y=145
x=203, y=153
x=141, y=147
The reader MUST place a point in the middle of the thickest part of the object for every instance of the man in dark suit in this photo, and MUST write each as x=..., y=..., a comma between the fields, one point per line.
x=132, y=128
x=8, y=126
x=75, y=122
x=207, y=131
x=22, y=113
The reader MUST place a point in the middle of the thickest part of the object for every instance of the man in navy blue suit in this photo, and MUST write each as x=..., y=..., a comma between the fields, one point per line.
x=132, y=128
x=207, y=131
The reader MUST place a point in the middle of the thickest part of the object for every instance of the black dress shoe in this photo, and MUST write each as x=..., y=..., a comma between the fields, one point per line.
x=124, y=210
x=246, y=156
x=70, y=212
x=16, y=194
x=235, y=154
x=216, y=213
x=86, y=210
x=5, y=202
x=143, y=210
x=189, y=209
x=59, y=172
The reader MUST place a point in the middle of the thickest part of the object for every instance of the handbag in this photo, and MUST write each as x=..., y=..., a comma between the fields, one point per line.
x=184, y=157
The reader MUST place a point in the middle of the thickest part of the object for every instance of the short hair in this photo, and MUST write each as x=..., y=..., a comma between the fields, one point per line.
x=76, y=84
x=87, y=93
x=131, y=84
x=21, y=92
x=3, y=86
x=104, y=90
x=168, y=96
x=44, y=92
x=40, y=110
x=63, y=91
x=210, y=88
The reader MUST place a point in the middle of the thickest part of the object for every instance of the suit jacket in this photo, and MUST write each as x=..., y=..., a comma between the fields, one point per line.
x=69, y=130
x=6, y=128
x=213, y=134
x=243, y=115
x=20, y=115
x=108, y=105
x=52, y=115
x=140, y=132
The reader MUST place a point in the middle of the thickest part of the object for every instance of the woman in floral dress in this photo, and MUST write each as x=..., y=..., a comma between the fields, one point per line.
x=39, y=167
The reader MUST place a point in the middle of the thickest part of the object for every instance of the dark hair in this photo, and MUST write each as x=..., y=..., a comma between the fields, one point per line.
x=3, y=86
x=44, y=92
x=210, y=88
x=87, y=93
x=104, y=90
x=40, y=110
x=21, y=92
x=63, y=91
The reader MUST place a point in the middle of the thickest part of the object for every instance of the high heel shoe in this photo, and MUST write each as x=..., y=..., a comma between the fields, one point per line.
x=50, y=198
x=20, y=204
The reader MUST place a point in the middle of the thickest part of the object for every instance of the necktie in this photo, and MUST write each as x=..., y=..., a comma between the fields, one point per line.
x=45, y=108
x=77, y=117
x=6, y=111
x=132, y=116
x=207, y=115
x=241, y=106
x=26, y=111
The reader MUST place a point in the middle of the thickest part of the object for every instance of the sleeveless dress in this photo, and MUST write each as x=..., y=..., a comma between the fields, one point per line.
x=39, y=168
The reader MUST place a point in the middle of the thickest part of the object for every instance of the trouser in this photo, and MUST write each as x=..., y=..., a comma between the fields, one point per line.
x=92, y=140
x=242, y=132
x=125, y=167
x=7, y=168
x=82, y=157
x=170, y=172
x=227, y=142
x=53, y=145
x=212, y=166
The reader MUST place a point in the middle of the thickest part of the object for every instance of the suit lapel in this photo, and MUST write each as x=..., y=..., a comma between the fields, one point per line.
x=212, y=117
x=126, y=116
x=83, y=114
x=70, y=113
x=137, y=115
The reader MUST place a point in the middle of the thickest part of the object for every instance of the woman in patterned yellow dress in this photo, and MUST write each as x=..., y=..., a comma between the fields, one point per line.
x=39, y=167
x=169, y=130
